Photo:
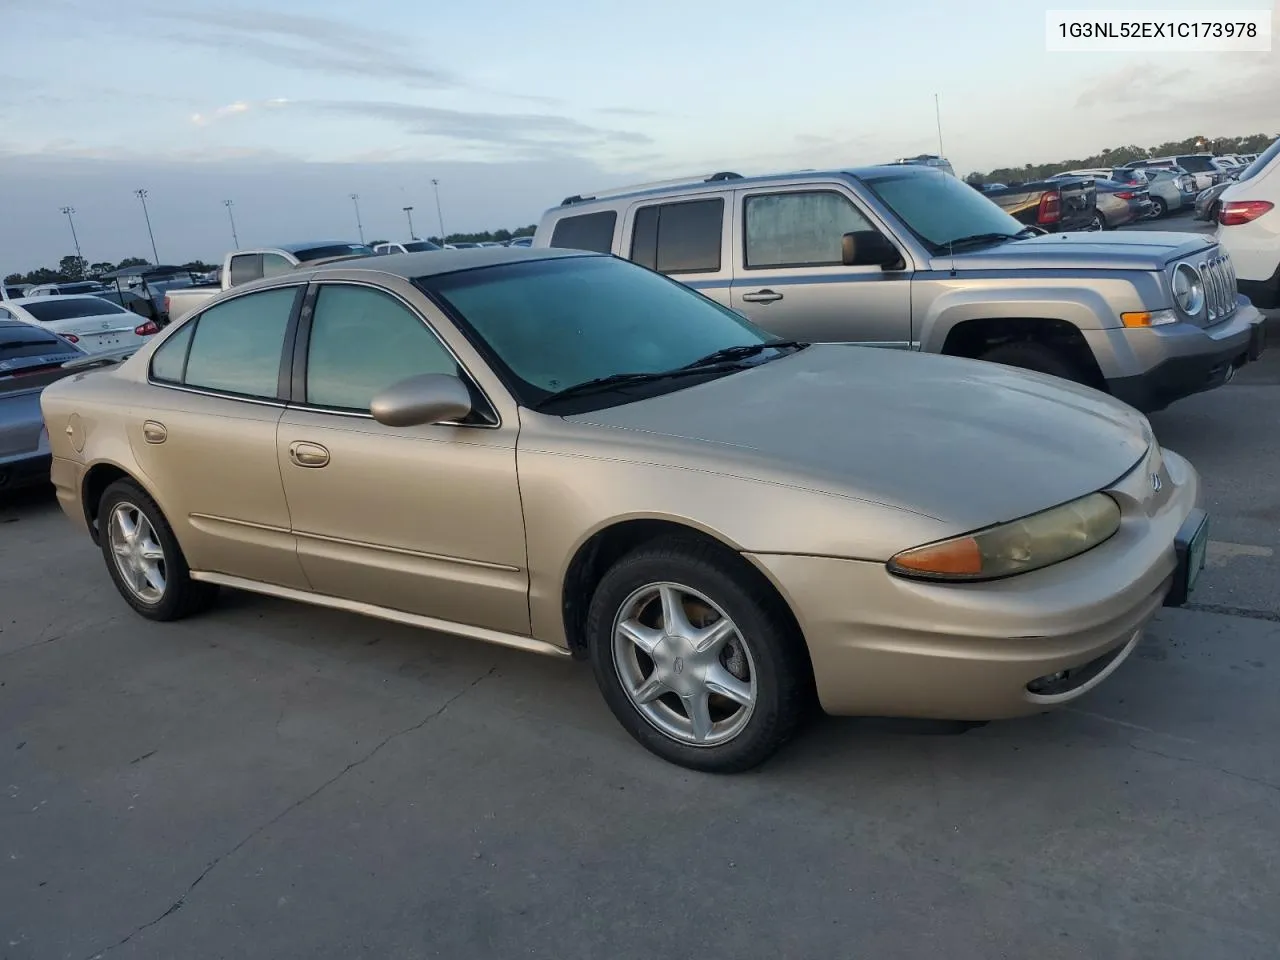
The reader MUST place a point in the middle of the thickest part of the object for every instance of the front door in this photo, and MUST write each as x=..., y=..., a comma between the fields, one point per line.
x=210, y=441
x=789, y=279
x=423, y=519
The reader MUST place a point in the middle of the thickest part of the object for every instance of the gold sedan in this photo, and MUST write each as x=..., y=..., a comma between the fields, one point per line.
x=570, y=454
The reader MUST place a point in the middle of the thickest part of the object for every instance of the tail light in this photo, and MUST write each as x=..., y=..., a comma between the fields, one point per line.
x=146, y=329
x=71, y=336
x=1127, y=195
x=1050, y=208
x=1236, y=212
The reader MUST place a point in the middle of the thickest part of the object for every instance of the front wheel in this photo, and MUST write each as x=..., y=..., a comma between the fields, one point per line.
x=1029, y=355
x=699, y=663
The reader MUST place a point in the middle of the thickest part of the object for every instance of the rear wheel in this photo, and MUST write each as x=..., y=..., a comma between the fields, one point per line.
x=1098, y=223
x=1039, y=357
x=1158, y=208
x=143, y=556
x=699, y=663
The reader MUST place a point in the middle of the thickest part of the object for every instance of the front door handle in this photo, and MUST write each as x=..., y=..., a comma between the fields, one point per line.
x=761, y=296
x=308, y=454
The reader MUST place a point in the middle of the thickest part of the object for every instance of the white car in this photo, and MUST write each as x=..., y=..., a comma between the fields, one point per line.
x=1249, y=228
x=412, y=246
x=93, y=324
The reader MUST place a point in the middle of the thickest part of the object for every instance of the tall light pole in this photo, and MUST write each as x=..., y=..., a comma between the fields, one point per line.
x=408, y=212
x=68, y=211
x=355, y=199
x=142, y=197
x=232, y=217
x=435, y=185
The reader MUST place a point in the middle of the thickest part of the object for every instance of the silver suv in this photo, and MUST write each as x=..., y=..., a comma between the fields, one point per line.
x=905, y=256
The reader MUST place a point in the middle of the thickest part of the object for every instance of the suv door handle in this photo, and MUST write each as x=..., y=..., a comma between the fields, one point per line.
x=761, y=296
x=308, y=454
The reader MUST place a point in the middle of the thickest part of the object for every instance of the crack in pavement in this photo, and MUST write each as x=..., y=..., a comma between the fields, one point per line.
x=177, y=904
x=1230, y=611
x=1208, y=766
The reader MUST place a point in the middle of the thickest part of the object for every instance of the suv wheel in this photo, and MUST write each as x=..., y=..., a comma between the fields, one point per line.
x=700, y=665
x=1039, y=357
x=143, y=557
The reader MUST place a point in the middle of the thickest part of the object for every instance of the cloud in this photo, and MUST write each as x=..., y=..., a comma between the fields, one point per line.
x=629, y=112
x=533, y=134
x=233, y=109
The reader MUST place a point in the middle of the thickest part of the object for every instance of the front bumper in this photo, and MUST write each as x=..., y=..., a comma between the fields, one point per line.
x=885, y=646
x=1177, y=360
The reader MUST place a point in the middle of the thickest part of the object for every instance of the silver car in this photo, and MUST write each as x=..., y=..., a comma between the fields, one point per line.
x=30, y=359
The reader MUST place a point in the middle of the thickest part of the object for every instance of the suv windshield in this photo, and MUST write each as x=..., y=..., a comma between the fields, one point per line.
x=937, y=208
x=66, y=308
x=1264, y=158
x=550, y=324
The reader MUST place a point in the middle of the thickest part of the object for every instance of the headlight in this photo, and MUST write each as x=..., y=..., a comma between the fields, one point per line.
x=1188, y=289
x=1023, y=545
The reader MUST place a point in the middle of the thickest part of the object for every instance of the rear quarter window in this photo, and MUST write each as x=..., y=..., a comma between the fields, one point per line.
x=588, y=231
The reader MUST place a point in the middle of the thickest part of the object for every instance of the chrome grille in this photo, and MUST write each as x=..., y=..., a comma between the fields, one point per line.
x=1219, y=278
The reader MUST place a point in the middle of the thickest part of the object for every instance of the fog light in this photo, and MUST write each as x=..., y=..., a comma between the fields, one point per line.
x=1046, y=683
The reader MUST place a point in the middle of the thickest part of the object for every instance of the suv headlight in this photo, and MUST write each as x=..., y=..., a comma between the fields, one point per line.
x=1020, y=546
x=1188, y=289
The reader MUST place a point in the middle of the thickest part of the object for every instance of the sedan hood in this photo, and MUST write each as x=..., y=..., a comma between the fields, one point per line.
x=1136, y=250
x=961, y=441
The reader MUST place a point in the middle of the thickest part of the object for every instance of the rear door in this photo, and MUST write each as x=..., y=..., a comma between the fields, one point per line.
x=208, y=441
x=789, y=277
x=686, y=239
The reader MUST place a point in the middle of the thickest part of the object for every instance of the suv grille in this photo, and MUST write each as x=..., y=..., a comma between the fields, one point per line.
x=1219, y=287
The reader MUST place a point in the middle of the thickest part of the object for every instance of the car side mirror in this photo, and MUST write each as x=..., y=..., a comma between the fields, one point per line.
x=426, y=398
x=869, y=248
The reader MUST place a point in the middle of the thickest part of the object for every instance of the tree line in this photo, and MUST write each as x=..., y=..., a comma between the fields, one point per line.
x=1119, y=156
x=71, y=268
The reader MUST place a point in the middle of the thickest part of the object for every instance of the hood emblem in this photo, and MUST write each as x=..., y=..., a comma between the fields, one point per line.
x=1156, y=483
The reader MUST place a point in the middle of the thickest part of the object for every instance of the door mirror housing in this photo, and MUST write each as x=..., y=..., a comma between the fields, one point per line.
x=869, y=248
x=426, y=398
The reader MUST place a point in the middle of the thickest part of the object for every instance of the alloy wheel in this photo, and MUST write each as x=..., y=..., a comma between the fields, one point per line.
x=137, y=552
x=684, y=665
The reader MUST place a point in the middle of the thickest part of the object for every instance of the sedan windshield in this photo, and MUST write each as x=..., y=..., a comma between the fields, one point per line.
x=551, y=324
x=67, y=308
x=939, y=209
x=418, y=246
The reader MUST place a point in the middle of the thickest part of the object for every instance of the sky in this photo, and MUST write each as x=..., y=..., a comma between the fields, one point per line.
x=287, y=108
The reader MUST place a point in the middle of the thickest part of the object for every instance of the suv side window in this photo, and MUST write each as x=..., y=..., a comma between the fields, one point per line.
x=588, y=231
x=682, y=237
x=237, y=345
x=801, y=229
x=363, y=341
x=273, y=265
x=245, y=268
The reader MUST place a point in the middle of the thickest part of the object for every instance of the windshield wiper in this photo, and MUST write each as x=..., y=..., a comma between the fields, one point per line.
x=614, y=380
x=741, y=352
x=979, y=238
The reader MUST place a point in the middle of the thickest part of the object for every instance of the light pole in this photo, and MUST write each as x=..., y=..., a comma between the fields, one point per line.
x=68, y=211
x=232, y=217
x=142, y=197
x=355, y=199
x=408, y=212
x=435, y=185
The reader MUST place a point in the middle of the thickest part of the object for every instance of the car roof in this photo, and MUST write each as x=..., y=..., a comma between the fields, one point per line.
x=429, y=263
x=23, y=301
x=721, y=181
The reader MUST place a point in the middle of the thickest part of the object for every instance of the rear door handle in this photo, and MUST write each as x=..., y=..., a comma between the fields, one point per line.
x=308, y=454
x=153, y=431
x=761, y=296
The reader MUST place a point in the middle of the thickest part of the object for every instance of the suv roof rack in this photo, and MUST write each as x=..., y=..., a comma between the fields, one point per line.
x=652, y=185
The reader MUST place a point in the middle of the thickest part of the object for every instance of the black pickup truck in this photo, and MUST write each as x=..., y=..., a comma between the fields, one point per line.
x=1052, y=205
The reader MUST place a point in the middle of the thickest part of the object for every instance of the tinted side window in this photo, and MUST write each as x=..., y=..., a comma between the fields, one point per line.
x=169, y=361
x=685, y=236
x=237, y=345
x=1195, y=164
x=363, y=341
x=273, y=265
x=799, y=229
x=246, y=268
x=590, y=231
x=5, y=314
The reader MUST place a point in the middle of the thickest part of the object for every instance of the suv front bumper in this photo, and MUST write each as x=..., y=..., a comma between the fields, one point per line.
x=1177, y=360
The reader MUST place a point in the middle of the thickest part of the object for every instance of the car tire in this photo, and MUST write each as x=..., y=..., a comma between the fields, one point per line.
x=1040, y=357
x=147, y=566
x=1158, y=208
x=638, y=650
x=1098, y=223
